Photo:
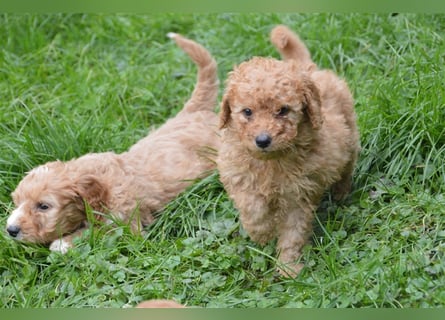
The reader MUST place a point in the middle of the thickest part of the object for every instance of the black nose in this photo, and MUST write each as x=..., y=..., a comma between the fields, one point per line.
x=13, y=231
x=263, y=140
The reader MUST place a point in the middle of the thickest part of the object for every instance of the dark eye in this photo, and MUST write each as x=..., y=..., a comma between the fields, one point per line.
x=42, y=206
x=284, y=110
x=247, y=112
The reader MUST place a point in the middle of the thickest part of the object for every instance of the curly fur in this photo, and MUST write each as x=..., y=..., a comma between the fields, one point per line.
x=51, y=199
x=288, y=133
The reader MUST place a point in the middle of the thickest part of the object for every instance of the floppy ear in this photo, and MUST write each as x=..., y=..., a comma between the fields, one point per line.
x=224, y=115
x=90, y=190
x=312, y=103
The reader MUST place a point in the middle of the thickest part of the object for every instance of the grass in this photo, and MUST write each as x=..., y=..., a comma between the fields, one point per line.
x=72, y=84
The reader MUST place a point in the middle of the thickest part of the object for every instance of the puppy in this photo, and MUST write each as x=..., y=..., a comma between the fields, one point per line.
x=159, y=303
x=288, y=133
x=51, y=201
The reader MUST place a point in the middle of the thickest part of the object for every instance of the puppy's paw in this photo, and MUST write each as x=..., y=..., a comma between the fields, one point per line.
x=341, y=190
x=290, y=270
x=172, y=35
x=60, y=245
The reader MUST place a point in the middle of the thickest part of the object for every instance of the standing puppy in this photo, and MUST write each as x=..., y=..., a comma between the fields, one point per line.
x=51, y=199
x=288, y=134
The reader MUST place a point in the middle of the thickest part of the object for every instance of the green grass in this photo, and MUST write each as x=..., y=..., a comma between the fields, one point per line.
x=71, y=84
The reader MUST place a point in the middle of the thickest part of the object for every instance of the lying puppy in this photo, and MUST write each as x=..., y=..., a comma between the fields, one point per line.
x=288, y=133
x=51, y=199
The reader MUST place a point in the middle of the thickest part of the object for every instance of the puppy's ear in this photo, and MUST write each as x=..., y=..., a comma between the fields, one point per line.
x=90, y=190
x=312, y=103
x=224, y=115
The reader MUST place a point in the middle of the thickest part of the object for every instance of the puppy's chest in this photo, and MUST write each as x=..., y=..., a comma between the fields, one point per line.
x=277, y=180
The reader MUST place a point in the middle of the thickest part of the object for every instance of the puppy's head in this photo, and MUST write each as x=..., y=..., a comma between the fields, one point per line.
x=270, y=106
x=50, y=202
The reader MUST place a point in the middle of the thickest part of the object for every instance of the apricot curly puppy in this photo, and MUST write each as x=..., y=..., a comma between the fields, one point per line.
x=50, y=200
x=288, y=134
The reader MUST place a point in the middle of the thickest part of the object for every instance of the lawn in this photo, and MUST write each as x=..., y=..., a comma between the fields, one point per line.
x=72, y=84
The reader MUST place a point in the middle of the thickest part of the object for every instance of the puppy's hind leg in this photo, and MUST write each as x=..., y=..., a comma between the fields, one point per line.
x=342, y=188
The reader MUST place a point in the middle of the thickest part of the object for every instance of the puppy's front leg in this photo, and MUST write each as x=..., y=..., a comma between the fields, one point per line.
x=255, y=217
x=292, y=236
x=63, y=244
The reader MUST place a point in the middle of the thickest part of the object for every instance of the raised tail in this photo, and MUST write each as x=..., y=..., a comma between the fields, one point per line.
x=290, y=45
x=205, y=94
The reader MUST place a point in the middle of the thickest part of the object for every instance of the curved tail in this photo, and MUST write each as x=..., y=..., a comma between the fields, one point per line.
x=205, y=94
x=290, y=45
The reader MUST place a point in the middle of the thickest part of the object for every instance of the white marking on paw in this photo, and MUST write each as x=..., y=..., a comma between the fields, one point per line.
x=60, y=245
x=172, y=35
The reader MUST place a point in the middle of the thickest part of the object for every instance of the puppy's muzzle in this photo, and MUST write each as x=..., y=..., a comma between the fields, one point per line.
x=263, y=140
x=13, y=231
